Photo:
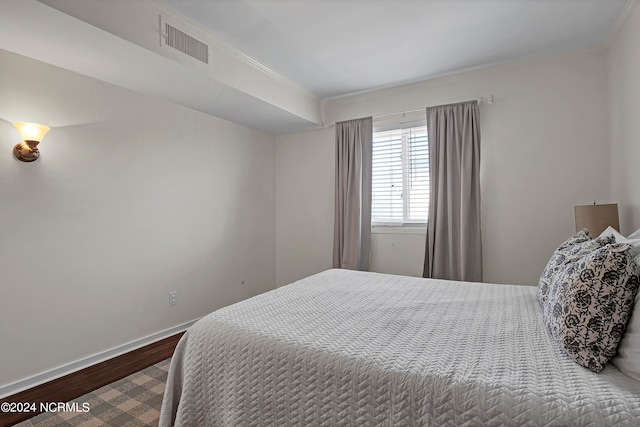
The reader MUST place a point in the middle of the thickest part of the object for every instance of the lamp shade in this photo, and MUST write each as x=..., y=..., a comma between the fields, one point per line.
x=596, y=218
x=31, y=131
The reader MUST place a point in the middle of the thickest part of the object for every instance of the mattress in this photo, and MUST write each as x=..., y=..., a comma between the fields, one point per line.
x=347, y=348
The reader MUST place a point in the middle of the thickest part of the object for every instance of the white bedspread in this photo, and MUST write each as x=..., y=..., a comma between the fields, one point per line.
x=346, y=348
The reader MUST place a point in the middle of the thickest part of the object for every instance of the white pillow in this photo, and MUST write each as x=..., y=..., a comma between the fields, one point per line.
x=628, y=357
x=633, y=240
x=633, y=236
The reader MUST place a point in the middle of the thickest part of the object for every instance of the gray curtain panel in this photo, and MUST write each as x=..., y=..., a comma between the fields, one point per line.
x=352, y=221
x=454, y=242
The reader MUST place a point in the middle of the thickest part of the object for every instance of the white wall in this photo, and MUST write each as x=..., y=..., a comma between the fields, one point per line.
x=398, y=252
x=624, y=119
x=132, y=197
x=544, y=150
x=305, y=176
x=305, y=180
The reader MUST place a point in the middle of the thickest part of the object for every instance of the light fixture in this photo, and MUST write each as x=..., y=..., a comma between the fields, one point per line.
x=32, y=134
x=596, y=218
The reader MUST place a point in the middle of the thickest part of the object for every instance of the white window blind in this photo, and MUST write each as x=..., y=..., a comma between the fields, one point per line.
x=400, y=176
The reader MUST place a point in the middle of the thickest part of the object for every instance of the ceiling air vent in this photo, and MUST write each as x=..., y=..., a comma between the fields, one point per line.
x=183, y=42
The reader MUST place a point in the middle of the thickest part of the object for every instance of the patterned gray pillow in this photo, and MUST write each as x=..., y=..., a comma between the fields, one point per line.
x=590, y=304
x=580, y=237
x=572, y=249
x=572, y=254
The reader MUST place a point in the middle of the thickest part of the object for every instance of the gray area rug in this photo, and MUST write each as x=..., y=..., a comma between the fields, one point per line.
x=130, y=402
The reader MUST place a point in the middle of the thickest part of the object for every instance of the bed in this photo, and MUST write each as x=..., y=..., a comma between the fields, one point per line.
x=348, y=348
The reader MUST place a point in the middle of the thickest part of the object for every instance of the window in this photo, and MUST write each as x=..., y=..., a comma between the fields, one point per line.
x=400, y=176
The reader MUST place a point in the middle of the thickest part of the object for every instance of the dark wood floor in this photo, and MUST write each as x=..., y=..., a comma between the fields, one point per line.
x=86, y=380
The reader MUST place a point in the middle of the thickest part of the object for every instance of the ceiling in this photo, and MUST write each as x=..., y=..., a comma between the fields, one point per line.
x=339, y=47
x=277, y=61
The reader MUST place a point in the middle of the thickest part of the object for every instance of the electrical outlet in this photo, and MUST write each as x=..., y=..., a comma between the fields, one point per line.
x=173, y=298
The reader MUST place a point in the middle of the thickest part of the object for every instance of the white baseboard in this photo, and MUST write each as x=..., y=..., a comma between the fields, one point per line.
x=50, y=375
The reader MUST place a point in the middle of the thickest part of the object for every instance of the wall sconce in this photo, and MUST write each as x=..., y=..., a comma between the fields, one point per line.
x=32, y=134
x=596, y=218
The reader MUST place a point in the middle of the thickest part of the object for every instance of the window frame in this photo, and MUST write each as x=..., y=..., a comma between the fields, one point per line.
x=403, y=125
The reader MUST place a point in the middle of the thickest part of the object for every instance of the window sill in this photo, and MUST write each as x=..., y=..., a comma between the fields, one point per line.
x=380, y=229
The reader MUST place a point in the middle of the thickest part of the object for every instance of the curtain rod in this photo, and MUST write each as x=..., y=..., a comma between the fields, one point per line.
x=481, y=100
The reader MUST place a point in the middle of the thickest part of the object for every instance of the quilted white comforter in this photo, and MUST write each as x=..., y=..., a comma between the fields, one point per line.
x=346, y=348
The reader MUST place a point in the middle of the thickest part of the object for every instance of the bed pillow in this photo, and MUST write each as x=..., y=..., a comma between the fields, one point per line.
x=555, y=262
x=634, y=235
x=591, y=304
x=633, y=240
x=573, y=248
x=574, y=252
x=628, y=357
